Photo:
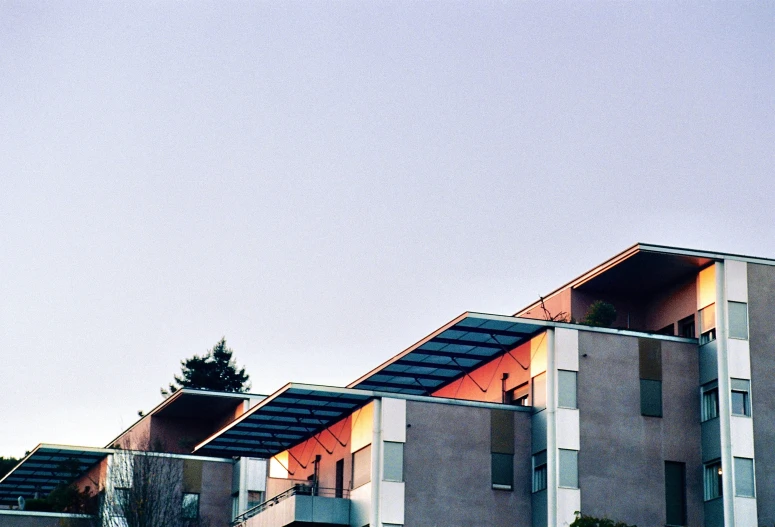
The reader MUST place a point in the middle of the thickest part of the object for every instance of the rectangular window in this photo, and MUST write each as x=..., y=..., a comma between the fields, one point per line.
x=708, y=324
x=650, y=398
x=539, y=471
x=502, y=471
x=709, y=401
x=741, y=403
x=190, y=506
x=744, y=485
x=738, y=320
x=539, y=391
x=569, y=468
x=675, y=492
x=650, y=372
x=518, y=396
x=393, y=469
x=339, y=479
x=566, y=389
x=686, y=327
x=713, y=475
x=361, y=467
x=667, y=330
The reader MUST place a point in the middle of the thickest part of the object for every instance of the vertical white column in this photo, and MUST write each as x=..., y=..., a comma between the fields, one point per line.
x=724, y=405
x=552, y=479
x=376, y=464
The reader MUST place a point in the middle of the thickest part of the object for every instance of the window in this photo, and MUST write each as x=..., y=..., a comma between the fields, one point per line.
x=741, y=404
x=713, y=475
x=339, y=482
x=709, y=401
x=686, y=327
x=255, y=497
x=667, y=330
x=738, y=320
x=539, y=391
x=566, y=389
x=361, y=466
x=744, y=485
x=518, y=396
x=190, y=506
x=502, y=471
x=539, y=471
x=675, y=492
x=394, y=461
x=569, y=468
x=708, y=324
x=650, y=372
x=650, y=398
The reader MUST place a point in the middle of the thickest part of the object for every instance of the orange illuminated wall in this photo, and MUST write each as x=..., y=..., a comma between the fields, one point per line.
x=485, y=383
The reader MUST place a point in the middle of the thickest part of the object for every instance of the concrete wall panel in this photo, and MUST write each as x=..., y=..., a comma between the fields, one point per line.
x=736, y=274
x=761, y=316
x=742, y=437
x=566, y=345
x=447, y=461
x=622, y=454
x=394, y=420
x=568, y=502
x=215, y=498
x=392, y=502
x=739, y=359
x=567, y=429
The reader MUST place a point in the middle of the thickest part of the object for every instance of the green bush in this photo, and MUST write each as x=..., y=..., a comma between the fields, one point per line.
x=600, y=314
x=590, y=521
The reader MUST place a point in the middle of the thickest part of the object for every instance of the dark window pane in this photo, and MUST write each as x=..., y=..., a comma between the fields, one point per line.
x=651, y=398
x=675, y=493
x=502, y=470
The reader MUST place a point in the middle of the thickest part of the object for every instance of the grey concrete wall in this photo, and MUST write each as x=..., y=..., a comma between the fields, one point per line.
x=622, y=455
x=26, y=519
x=215, y=497
x=761, y=314
x=447, y=469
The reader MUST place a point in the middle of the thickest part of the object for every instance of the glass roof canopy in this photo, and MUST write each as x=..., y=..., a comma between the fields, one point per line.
x=44, y=468
x=294, y=413
x=453, y=351
x=298, y=411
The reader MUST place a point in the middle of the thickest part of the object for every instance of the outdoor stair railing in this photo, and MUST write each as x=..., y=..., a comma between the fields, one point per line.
x=298, y=489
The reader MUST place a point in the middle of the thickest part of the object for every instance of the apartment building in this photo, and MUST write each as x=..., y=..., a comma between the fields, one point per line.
x=667, y=417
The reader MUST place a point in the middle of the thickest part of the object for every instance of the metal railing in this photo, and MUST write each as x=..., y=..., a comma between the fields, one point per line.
x=300, y=489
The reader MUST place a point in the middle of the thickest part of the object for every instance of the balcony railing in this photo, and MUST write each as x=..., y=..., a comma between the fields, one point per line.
x=299, y=489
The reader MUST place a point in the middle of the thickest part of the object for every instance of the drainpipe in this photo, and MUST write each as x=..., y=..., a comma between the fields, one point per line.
x=376, y=464
x=724, y=405
x=552, y=478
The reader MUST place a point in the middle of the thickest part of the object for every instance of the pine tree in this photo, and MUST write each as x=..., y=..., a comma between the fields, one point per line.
x=215, y=370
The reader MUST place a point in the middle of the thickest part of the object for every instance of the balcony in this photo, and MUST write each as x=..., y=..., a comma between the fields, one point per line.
x=299, y=505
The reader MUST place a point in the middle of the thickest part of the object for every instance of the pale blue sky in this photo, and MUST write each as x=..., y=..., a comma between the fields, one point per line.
x=324, y=183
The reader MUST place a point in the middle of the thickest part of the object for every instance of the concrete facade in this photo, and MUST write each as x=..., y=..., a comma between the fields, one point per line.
x=629, y=484
x=761, y=311
x=447, y=469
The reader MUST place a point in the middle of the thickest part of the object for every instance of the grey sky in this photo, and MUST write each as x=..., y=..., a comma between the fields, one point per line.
x=326, y=183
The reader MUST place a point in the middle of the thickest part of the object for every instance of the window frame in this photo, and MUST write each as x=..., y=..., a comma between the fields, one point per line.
x=741, y=309
x=747, y=464
x=713, y=480
x=565, y=377
x=709, y=402
x=540, y=472
x=502, y=462
x=184, y=507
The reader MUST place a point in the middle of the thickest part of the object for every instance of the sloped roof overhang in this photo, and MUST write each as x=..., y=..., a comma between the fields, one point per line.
x=453, y=351
x=45, y=467
x=298, y=412
x=291, y=415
